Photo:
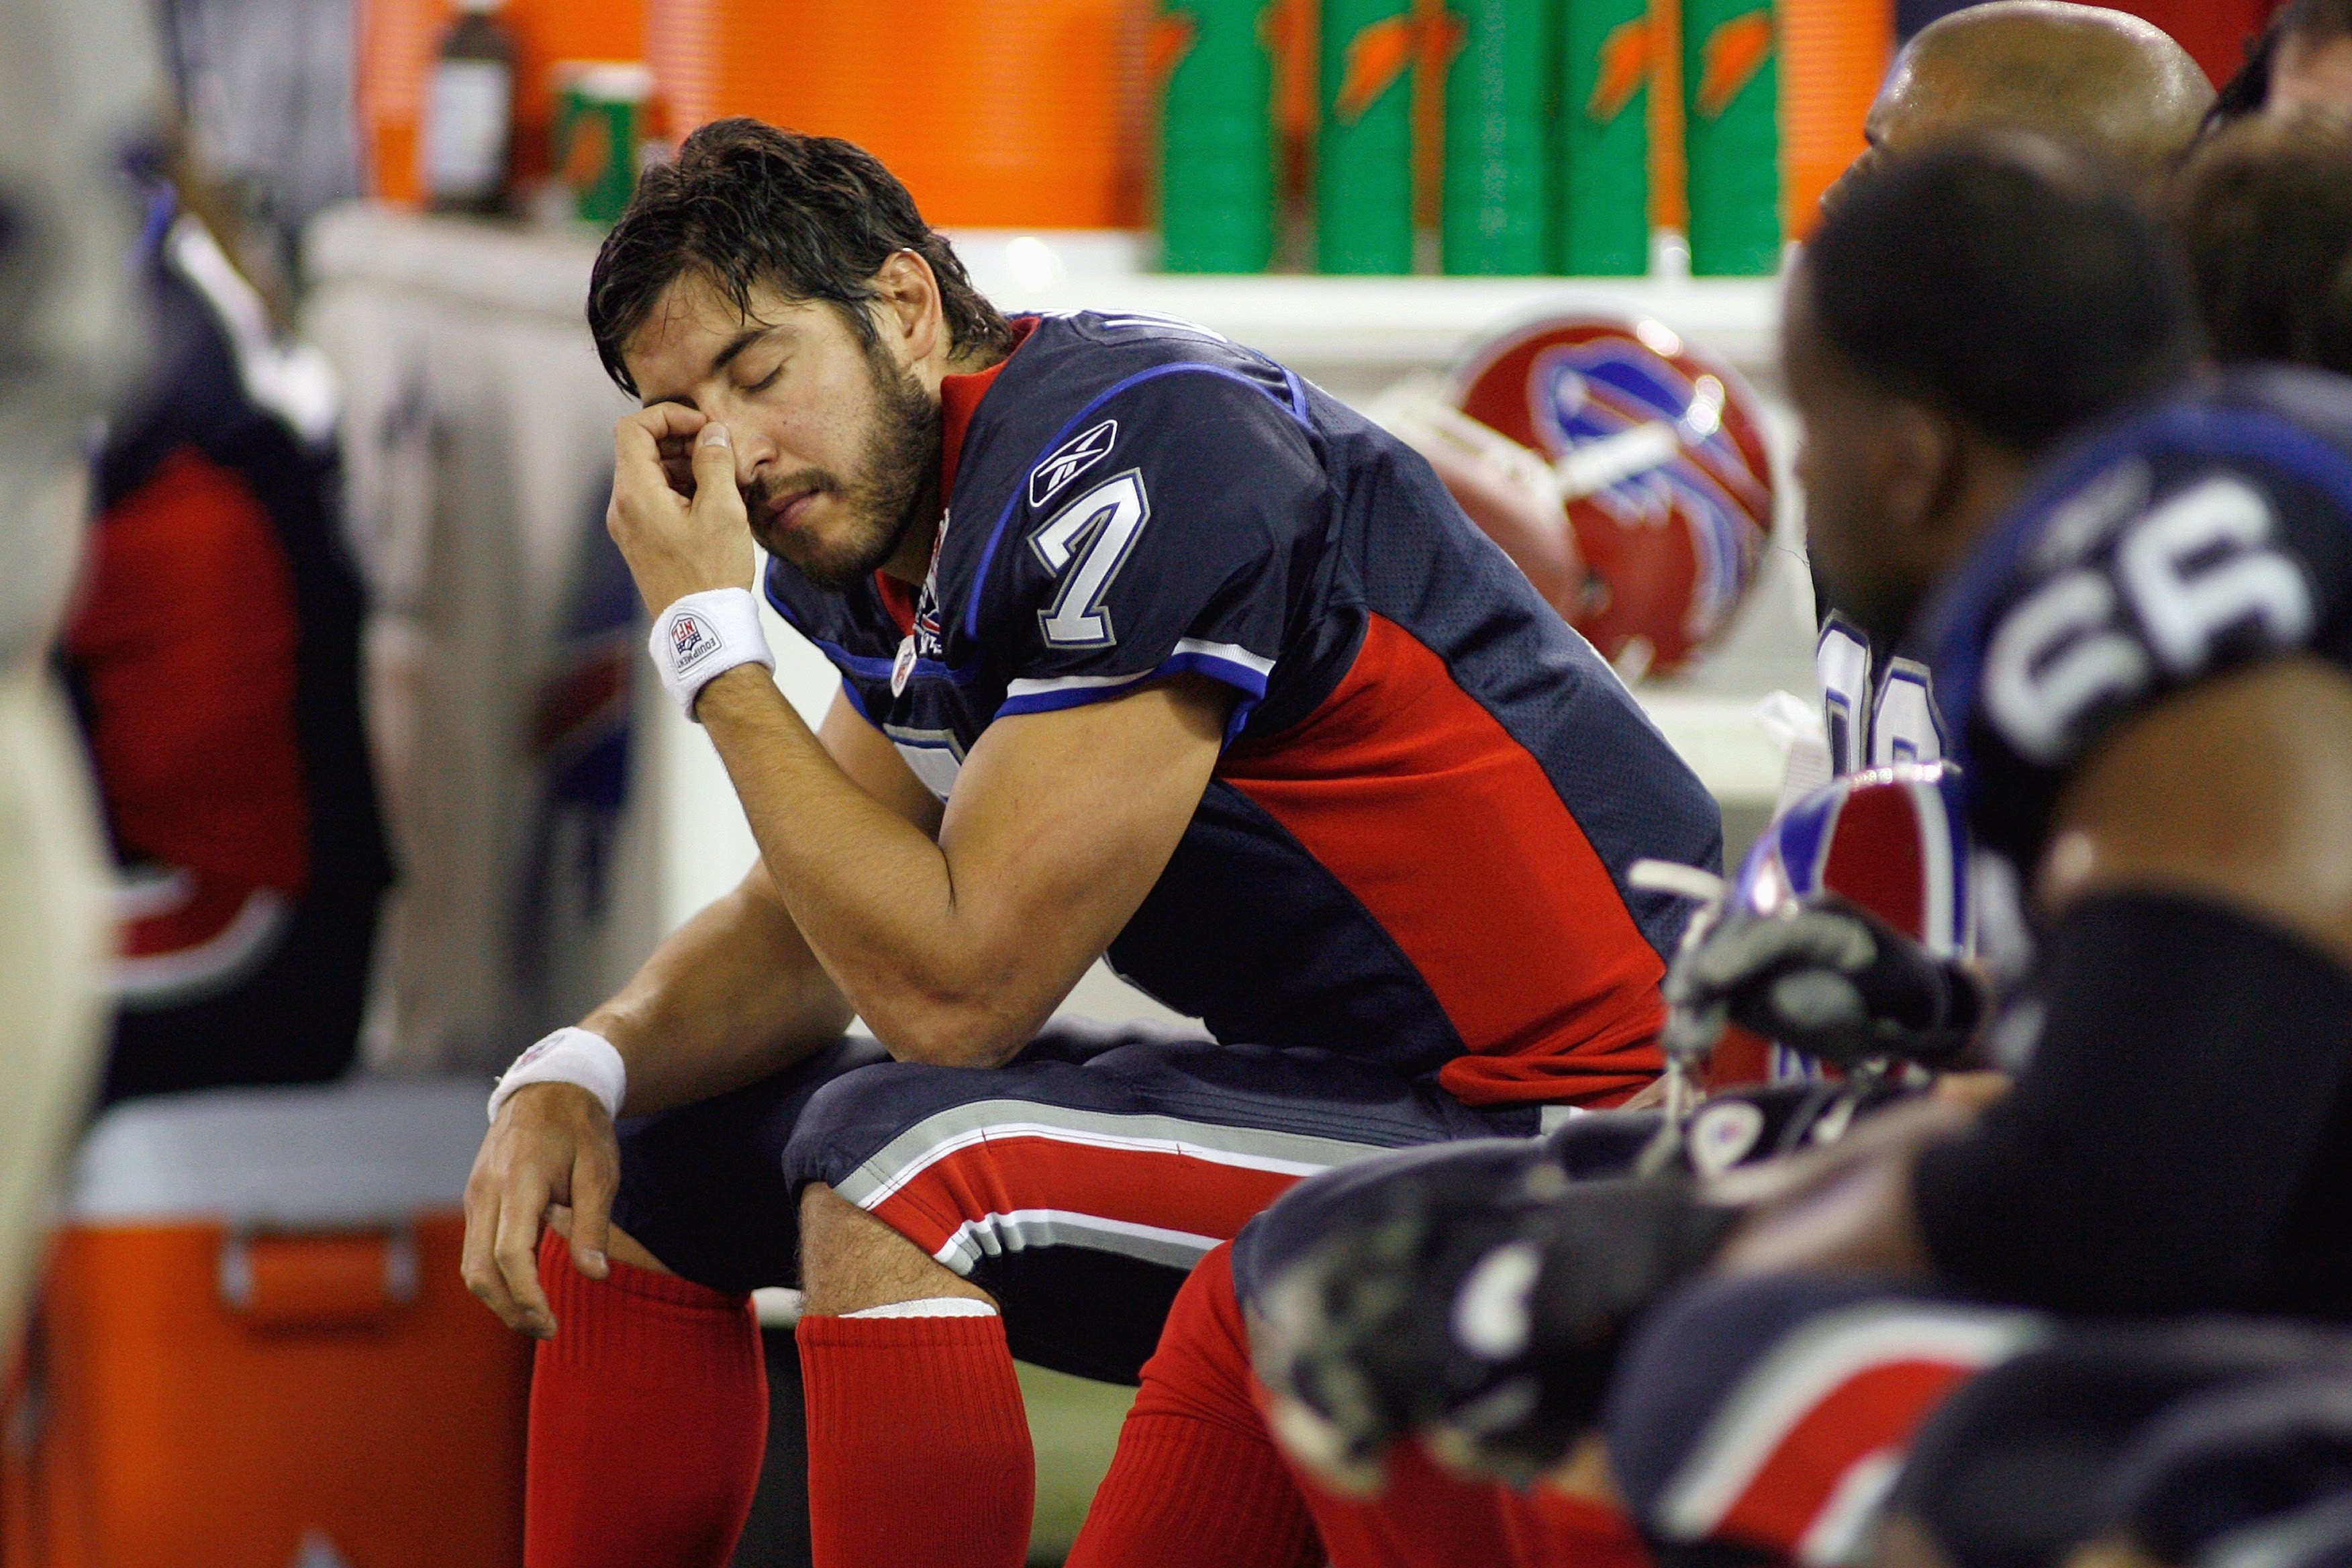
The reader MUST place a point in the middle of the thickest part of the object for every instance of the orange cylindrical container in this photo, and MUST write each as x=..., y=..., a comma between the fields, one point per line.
x=1833, y=54
x=396, y=39
x=1669, y=170
x=1029, y=115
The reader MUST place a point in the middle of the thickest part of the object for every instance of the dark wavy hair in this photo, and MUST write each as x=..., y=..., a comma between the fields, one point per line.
x=747, y=205
x=2265, y=209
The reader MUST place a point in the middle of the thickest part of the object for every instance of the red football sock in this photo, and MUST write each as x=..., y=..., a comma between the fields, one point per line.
x=1423, y=1518
x=918, y=1451
x=1551, y=1529
x=649, y=1420
x=1426, y=1518
x=1196, y=1479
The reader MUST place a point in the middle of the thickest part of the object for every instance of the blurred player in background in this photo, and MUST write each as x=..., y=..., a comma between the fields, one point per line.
x=2265, y=210
x=2051, y=303
x=214, y=660
x=84, y=96
x=2171, y=1218
x=1146, y=645
x=2142, y=670
x=2101, y=81
x=2302, y=63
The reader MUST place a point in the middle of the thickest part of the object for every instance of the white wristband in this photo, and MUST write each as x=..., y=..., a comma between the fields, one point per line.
x=702, y=636
x=569, y=1056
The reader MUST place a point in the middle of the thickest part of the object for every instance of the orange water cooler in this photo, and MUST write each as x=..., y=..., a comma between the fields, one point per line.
x=253, y=1350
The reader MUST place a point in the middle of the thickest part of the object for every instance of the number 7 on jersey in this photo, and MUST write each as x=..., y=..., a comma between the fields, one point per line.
x=1097, y=530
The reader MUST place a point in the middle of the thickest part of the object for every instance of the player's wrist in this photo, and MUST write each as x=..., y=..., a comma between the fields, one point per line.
x=704, y=635
x=731, y=689
x=581, y=1058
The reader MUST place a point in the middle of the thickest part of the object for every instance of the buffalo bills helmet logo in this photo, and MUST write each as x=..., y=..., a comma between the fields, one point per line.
x=1659, y=456
x=1070, y=460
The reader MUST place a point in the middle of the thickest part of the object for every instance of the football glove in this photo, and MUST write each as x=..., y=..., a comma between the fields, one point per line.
x=1482, y=1313
x=1827, y=977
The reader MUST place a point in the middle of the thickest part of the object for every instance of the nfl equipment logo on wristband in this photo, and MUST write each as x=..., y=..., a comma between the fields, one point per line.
x=689, y=645
x=573, y=1056
x=704, y=636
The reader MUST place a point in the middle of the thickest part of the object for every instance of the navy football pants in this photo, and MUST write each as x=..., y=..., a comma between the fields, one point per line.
x=1078, y=1185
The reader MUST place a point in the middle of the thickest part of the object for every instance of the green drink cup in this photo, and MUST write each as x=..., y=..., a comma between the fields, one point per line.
x=1604, y=138
x=1216, y=138
x=1732, y=93
x=1500, y=154
x=600, y=122
x=1363, y=208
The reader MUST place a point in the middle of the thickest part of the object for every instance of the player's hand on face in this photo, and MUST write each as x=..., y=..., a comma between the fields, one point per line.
x=1829, y=978
x=551, y=1145
x=677, y=511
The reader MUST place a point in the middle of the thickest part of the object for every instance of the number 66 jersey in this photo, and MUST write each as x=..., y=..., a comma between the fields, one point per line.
x=2177, y=544
x=1415, y=845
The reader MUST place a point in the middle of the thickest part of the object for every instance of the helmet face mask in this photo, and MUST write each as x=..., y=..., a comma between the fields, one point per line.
x=1659, y=456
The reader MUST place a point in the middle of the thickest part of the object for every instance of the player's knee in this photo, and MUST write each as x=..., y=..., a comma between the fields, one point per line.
x=1201, y=1370
x=825, y=1217
x=851, y=1261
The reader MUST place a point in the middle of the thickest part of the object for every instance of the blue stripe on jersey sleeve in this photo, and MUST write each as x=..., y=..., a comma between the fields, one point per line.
x=1076, y=691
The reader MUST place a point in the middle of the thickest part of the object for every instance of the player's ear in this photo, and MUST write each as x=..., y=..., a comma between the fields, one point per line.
x=1924, y=470
x=908, y=309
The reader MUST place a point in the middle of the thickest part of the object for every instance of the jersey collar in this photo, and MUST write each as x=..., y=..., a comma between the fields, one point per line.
x=960, y=398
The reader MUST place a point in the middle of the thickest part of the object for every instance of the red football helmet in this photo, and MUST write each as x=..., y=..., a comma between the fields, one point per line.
x=1657, y=452
x=1893, y=840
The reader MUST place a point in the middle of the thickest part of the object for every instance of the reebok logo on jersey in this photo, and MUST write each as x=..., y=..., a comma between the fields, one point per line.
x=690, y=642
x=1073, y=458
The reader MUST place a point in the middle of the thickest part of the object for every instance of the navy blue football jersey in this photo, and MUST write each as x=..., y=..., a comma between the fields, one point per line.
x=1415, y=845
x=2177, y=544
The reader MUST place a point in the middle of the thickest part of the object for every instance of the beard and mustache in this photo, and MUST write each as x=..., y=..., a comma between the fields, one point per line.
x=877, y=503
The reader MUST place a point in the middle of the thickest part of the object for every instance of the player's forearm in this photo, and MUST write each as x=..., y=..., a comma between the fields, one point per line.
x=731, y=997
x=874, y=895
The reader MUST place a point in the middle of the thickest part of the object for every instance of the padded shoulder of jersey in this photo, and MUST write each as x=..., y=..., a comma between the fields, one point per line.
x=1091, y=393
x=2176, y=544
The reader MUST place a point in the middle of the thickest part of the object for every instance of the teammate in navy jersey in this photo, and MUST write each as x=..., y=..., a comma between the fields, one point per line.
x=2099, y=81
x=214, y=661
x=1146, y=647
x=2167, y=776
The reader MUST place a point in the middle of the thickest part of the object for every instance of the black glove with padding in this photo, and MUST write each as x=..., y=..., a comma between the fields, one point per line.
x=1480, y=1308
x=1827, y=977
